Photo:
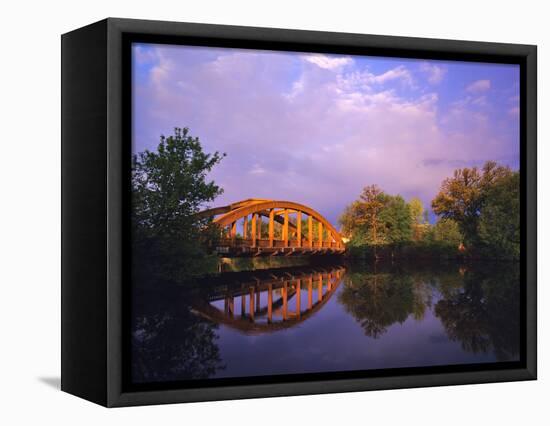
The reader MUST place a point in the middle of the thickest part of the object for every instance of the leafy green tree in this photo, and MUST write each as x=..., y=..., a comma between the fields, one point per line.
x=499, y=222
x=462, y=197
x=349, y=219
x=372, y=203
x=447, y=231
x=396, y=219
x=360, y=220
x=169, y=186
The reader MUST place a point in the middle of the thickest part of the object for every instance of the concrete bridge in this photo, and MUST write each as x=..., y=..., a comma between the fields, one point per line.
x=271, y=228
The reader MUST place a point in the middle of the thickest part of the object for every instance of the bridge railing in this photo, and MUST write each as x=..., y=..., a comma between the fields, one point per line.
x=277, y=243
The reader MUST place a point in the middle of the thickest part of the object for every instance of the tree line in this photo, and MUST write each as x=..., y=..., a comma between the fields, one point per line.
x=477, y=210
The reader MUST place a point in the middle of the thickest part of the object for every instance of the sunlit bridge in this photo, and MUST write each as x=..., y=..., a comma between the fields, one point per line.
x=271, y=301
x=260, y=227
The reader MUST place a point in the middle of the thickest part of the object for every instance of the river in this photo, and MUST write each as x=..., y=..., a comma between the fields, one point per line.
x=327, y=318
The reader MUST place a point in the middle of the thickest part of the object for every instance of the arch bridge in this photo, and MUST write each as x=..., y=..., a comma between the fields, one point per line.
x=256, y=227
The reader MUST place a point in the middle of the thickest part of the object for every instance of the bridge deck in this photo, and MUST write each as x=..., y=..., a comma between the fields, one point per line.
x=240, y=247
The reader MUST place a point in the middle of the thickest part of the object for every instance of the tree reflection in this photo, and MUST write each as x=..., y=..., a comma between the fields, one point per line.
x=484, y=314
x=378, y=300
x=169, y=342
x=478, y=305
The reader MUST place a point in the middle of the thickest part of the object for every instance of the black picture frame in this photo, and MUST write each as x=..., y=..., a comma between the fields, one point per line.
x=96, y=118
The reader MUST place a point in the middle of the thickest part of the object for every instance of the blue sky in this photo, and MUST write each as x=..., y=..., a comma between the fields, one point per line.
x=317, y=128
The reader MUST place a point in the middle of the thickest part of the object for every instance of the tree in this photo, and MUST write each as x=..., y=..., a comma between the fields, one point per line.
x=360, y=220
x=377, y=218
x=418, y=217
x=461, y=197
x=499, y=223
x=447, y=231
x=370, y=208
x=396, y=219
x=169, y=186
x=417, y=210
x=350, y=218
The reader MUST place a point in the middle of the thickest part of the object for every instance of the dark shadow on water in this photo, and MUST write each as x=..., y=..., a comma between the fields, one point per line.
x=54, y=382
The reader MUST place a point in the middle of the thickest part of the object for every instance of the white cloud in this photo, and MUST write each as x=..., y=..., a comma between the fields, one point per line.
x=434, y=72
x=479, y=86
x=398, y=73
x=366, y=81
x=329, y=63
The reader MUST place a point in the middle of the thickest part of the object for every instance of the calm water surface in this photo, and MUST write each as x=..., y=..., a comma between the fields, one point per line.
x=328, y=318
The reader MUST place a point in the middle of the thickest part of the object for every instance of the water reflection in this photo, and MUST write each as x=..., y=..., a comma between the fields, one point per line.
x=478, y=305
x=483, y=313
x=170, y=342
x=329, y=318
x=269, y=301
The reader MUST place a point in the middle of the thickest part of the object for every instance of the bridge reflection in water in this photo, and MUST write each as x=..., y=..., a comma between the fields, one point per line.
x=271, y=301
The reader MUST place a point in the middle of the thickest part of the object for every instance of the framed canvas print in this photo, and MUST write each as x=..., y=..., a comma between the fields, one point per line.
x=252, y=212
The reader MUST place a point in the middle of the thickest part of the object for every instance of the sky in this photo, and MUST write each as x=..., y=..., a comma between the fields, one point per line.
x=317, y=128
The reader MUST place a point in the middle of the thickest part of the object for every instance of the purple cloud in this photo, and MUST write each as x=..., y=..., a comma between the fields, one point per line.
x=317, y=128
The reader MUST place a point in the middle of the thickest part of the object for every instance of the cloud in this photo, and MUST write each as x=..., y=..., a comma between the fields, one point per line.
x=311, y=128
x=435, y=73
x=479, y=86
x=398, y=73
x=257, y=170
x=326, y=62
x=365, y=81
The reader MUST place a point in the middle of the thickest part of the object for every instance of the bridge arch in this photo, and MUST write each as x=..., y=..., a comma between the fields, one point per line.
x=297, y=237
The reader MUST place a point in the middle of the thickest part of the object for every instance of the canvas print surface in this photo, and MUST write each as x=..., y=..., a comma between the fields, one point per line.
x=300, y=213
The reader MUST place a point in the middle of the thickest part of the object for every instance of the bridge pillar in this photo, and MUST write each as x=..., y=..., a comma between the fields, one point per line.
x=299, y=228
x=285, y=228
x=320, y=288
x=271, y=226
x=233, y=232
x=310, y=231
x=245, y=227
x=320, y=225
x=253, y=229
